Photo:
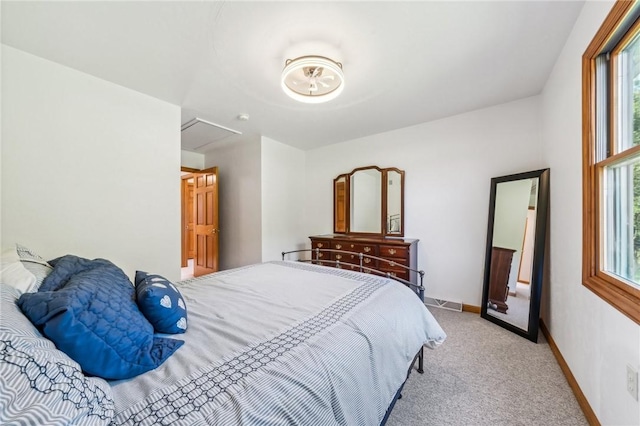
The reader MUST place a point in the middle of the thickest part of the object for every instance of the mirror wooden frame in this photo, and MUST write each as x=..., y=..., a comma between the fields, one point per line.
x=342, y=203
x=537, y=268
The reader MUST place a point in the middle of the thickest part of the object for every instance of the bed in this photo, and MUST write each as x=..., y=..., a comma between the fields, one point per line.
x=267, y=344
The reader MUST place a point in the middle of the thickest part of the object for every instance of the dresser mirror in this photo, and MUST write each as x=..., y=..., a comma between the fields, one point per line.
x=365, y=201
x=395, y=184
x=369, y=201
x=515, y=252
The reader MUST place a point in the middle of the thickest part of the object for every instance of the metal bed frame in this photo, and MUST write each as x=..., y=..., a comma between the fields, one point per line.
x=416, y=288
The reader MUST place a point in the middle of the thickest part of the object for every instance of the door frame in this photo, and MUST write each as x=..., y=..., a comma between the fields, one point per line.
x=183, y=214
x=192, y=174
x=184, y=237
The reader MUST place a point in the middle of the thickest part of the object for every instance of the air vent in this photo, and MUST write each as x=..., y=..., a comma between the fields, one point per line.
x=444, y=304
x=198, y=133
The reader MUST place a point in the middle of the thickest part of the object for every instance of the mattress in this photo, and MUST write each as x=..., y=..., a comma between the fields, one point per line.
x=284, y=343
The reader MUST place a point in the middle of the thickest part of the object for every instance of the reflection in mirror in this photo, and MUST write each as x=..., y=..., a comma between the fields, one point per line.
x=515, y=251
x=340, y=204
x=366, y=201
x=369, y=200
x=514, y=222
x=394, y=202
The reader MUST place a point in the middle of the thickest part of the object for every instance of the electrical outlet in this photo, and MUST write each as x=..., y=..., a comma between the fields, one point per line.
x=632, y=382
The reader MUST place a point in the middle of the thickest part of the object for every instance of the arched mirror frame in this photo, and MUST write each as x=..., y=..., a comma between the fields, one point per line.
x=537, y=266
x=342, y=203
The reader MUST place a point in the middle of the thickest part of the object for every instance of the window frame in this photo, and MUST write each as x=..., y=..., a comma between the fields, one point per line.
x=621, y=295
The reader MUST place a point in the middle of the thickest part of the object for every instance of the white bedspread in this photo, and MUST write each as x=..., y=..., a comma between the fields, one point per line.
x=284, y=343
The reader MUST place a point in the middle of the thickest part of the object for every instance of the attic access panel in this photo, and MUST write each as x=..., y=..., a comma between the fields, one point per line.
x=198, y=133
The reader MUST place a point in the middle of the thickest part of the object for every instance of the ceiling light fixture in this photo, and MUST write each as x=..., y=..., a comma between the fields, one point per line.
x=312, y=79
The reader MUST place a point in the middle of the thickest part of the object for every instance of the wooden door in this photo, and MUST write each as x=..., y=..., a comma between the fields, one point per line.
x=188, y=234
x=206, y=221
x=183, y=222
x=528, y=242
x=191, y=224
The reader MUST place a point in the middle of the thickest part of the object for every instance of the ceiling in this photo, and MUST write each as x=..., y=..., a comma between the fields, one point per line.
x=405, y=63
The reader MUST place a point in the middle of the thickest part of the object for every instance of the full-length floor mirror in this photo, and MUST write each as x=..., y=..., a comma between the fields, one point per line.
x=515, y=253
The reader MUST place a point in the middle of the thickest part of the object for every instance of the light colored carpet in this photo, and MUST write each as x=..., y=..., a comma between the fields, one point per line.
x=517, y=314
x=486, y=375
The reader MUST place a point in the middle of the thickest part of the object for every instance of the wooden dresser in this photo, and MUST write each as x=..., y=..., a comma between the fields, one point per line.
x=395, y=251
x=499, y=277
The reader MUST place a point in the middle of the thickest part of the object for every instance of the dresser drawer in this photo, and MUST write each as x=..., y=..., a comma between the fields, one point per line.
x=370, y=249
x=354, y=259
x=394, y=251
x=321, y=244
x=322, y=256
x=356, y=267
x=393, y=264
x=395, y=267
x=397, y=273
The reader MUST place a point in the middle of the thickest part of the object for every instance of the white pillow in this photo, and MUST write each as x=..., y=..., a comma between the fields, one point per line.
x=13, y=273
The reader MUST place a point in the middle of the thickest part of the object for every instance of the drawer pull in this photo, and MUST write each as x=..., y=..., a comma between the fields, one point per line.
x=351, y=245
x=338, y=246
x=338, y=256
x=320, y=254
x=367, y=260
x=319, y=245
x=367, y=249
x=392, y=251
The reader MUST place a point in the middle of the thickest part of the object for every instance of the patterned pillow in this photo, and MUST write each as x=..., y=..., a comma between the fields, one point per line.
x=161, y=303
x=87, y=308
x=38, y=383
x=25, y=254
x=39, y=270
x=34, y=264
x=13, y=273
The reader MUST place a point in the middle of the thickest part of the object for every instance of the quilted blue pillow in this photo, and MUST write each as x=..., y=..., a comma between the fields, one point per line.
x=161, y=303
x=87, y=308
x=40, y=384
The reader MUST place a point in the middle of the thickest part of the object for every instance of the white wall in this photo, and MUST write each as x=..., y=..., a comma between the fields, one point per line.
x=240, y=199
x=449, y=164
x=193, y=160
x=88, y=167
x=595, y=339
x=512, y=203
x=282, y=199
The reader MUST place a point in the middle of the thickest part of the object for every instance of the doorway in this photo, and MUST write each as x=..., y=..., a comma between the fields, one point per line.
x=188, y=229
x=199, y=222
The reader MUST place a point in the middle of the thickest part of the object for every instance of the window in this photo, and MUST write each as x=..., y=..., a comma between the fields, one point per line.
x=611, y=160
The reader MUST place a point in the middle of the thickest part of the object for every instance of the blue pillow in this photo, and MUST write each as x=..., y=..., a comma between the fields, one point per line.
x=40, y=384
x=161, y=303
x=87, y=308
